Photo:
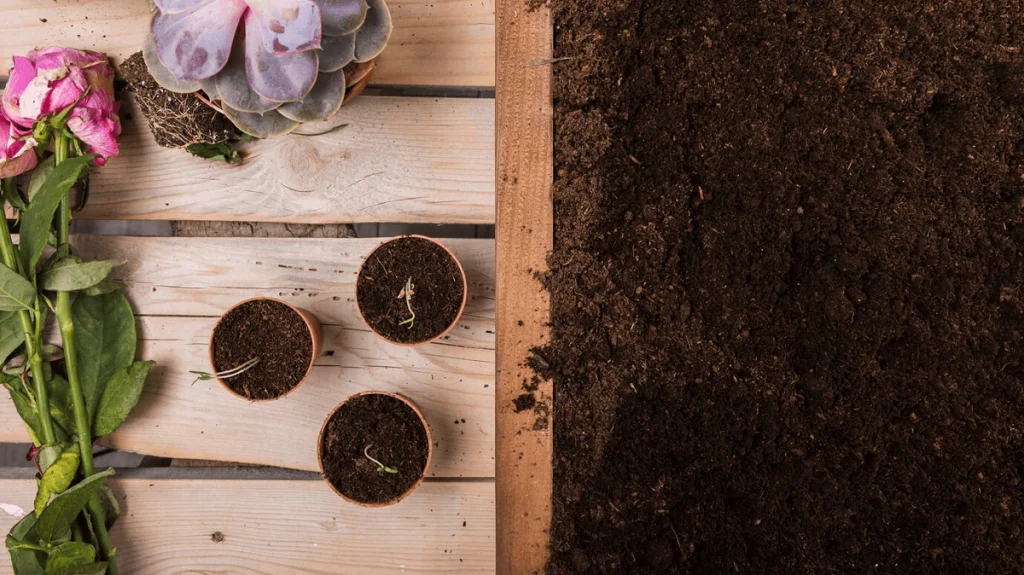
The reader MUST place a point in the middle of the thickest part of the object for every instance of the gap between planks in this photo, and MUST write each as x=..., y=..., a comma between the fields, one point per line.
x=524, y=239
x=178, y=287
x=438, y=43
x=271, y=527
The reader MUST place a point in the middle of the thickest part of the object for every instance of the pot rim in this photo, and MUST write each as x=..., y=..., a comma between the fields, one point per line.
x=462, y=305
x=397, y=499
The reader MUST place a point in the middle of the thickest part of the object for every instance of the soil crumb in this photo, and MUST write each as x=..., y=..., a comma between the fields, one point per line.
x=786, y=336
x=274, y=333
x=396, y=438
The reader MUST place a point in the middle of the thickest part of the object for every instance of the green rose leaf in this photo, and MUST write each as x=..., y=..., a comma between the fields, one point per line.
x=57, y=478
x=16, y=292
x=222, y=151
x=25, y=561
x=60, y=402
x=36, y=220
x=11, y=336
x=39, y=176
x=104, y=287
x=68, y=556
x=71, y=274
x=24, y=405
x=10, y=193
x=90, y=569
x=105, y=336
x=55, y=521
x=120, y=396
x=110, y=505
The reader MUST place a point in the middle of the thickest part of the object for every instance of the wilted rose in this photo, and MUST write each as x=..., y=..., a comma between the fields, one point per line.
x=17, y=154
x=48, y=81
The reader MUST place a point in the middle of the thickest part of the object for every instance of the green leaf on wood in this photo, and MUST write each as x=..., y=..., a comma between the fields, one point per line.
x=105, y=336
x=24, y=405
x=10, y=193
x=57, y=478
x=39, y=175
x=16, y=292
x=110, y=505
x=90, y=569
x=104, y=287
x=222, y=151
x=36, y=220
x=11, y=335
x=71, y=274
x=25, y=561
x=71, y=555
x=55, y=521
x=120, y=396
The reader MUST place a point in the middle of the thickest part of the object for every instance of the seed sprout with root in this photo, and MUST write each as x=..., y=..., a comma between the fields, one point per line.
x=407, y=292
x=381, y=468
x=227, y=373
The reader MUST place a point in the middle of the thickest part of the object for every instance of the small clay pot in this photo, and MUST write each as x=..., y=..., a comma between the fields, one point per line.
x=315, y=334
x=455, y=320
x=357, y=77
x=411, y=488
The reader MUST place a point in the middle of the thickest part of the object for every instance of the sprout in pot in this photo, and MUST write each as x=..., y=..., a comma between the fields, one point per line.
x=263, y=348
x=411, y=290
x=374, y=449
x=268, y=65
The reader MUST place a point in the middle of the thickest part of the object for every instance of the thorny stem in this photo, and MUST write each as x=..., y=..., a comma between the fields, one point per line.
x=227, y=373
x=31, y=331
x=407, y=293
x=380, y=466
x=83, y=426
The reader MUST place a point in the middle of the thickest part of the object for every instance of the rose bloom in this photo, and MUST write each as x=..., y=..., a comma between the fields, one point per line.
x=46, y=81
x=17, y=154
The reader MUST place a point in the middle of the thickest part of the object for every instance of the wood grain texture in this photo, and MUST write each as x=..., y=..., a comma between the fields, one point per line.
x=437, y=43
x=398, y=160
x=524, y=239
x=284, y=527
x=179, y=286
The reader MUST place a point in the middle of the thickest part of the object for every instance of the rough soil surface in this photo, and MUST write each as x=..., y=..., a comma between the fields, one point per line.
x=787, y=287
x=395, y=436
x=275, y=334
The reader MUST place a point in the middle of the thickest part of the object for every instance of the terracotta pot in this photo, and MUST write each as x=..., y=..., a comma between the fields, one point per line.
x=357, y=77
x=407, y=492
x=315, y=333
x=462, y=305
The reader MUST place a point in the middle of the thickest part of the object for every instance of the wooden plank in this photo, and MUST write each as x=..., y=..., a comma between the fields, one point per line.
x=438, y=43
x=277, y=527
x=180, y=285
x=524, y=239
x=398, y=160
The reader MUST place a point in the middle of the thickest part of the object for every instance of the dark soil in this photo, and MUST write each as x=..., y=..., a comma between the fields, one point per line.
x=272, y=332
x=176, y=120
x=396, y=437
x=438, y=290
x=787, y=287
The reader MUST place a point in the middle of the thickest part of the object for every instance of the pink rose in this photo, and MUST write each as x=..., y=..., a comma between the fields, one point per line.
x=16, y=148
x=46, y=82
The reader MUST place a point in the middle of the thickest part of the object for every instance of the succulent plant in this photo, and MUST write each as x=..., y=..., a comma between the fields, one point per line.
x=270, y=65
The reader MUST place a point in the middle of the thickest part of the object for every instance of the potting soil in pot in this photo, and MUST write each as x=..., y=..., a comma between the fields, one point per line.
x=275, y=334
x=437, y=290
x=787, y=287
x=386, y=429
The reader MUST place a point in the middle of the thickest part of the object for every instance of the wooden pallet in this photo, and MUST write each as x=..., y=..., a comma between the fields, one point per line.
x=400, y=159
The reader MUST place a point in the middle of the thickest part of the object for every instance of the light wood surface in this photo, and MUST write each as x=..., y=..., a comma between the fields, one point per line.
x=290, y=526
x=524, y=239
x=436, y=43
x=398, y=160
x=179, y=286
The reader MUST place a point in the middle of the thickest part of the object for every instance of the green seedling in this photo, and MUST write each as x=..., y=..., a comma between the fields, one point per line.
x=381, y=468
x=407, y=292
x=227, y=373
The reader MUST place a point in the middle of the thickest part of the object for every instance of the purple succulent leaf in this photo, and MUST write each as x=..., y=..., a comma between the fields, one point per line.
x=260, y=125
x=176, y=6
x=278, y=77
x=161, y=74
x=375, y=32
x=286, y=26
x=209, y=85
x=336, y=52
x=195, y=45
x=321, y=102
x=342, y=17
x=232, y=85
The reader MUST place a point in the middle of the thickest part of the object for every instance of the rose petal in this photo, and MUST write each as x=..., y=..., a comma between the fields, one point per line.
x=286, y=26
x=375, y=32
x=321, y=102
x=341, y=17
x=282, y=78
x=176, y=6
x=98, y=130
x=336, y=52
x=10, y=167
x=195, y=45
x=161, y=74
x=260, y=125
x=22, y=74
x=232, y=85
